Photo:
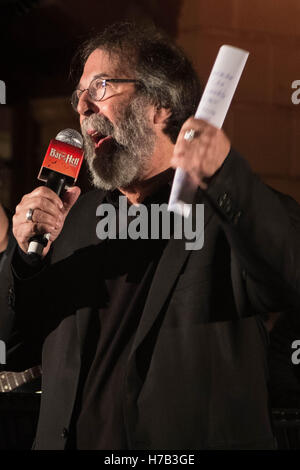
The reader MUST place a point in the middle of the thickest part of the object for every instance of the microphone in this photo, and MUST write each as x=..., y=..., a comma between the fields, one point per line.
x=59, y=170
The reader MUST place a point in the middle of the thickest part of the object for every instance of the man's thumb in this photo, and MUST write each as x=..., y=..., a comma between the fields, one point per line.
x=70, y=197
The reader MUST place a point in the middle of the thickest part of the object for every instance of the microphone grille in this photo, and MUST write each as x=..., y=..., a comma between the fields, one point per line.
x=71, y=137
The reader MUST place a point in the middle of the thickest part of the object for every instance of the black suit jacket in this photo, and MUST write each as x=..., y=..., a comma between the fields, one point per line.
x=196, y=376
x=6, y=312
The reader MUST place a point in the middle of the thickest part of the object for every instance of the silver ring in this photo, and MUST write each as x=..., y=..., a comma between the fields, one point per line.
x=29, y=215
x=189, y=135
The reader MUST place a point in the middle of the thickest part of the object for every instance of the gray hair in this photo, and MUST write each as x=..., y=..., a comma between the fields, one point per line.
x=166, y=76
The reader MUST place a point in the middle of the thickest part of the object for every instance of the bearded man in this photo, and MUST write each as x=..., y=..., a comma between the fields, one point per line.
x=144, y=344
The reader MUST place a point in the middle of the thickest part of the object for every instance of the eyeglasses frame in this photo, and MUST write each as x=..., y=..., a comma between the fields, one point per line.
x=104, y=81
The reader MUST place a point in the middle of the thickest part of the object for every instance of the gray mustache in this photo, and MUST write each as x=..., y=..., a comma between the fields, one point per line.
x=99, y=123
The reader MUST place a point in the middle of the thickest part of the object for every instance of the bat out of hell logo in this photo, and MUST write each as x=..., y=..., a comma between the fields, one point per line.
x=68, y=158
x=2, y=92
x=2, y=352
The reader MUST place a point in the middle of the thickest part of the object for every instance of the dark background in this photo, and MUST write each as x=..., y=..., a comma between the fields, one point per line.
x=39, y=37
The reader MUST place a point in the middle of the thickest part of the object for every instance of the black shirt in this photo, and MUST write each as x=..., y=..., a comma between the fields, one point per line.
x=98, y=417
x=100, y=422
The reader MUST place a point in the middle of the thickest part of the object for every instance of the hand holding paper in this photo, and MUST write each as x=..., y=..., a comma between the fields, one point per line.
x=203, y=154
x=212, y=109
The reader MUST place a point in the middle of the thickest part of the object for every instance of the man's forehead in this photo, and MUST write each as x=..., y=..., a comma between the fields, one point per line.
x=101, y=64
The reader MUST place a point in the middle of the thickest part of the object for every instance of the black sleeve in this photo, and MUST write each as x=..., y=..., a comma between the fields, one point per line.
x=25, y=266
x=6, y=311
x=263, y=230
x=22, y=351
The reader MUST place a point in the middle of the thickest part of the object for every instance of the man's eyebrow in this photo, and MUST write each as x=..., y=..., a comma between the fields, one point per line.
x=98, y=75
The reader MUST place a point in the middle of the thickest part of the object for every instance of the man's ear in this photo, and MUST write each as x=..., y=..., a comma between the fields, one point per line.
x=161, y=115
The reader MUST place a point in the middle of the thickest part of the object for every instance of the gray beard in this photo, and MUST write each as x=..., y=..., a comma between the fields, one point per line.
x=128, y=155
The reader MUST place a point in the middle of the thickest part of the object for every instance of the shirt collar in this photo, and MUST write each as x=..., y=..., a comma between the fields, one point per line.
x=160, y=196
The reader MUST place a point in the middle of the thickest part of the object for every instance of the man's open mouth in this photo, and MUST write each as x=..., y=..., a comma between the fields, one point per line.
x=98, y=138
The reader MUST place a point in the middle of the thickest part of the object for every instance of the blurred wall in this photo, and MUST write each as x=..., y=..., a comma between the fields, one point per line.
x=37, y=46
x=263, y=123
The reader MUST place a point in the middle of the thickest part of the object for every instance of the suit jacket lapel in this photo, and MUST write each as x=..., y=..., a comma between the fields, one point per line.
x=168, y=270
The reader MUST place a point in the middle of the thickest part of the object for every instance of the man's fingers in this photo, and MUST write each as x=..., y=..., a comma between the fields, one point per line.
x=23, y=233
x=43, y=192
x=48, y=213
x=70, y=197
x=41, y=212
x=193, y=124
x=200, y=150
x=40, y=217
x=37, y=204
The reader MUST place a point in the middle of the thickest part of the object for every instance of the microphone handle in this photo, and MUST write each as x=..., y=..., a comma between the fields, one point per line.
x=56, y=182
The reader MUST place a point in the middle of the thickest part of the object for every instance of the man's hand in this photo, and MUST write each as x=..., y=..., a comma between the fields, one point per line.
x=49, y=214
x=202, y=156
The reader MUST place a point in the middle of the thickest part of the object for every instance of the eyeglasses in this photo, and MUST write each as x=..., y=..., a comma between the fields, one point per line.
x=97, y=89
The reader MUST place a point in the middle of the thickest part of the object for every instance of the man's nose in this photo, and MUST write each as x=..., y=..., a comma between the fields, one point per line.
x=86, y=106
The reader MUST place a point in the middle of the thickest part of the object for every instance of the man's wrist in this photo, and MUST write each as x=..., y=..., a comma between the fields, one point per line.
x=25, y=266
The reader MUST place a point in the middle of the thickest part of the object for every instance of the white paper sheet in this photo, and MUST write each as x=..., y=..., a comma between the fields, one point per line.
x=212, y=108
